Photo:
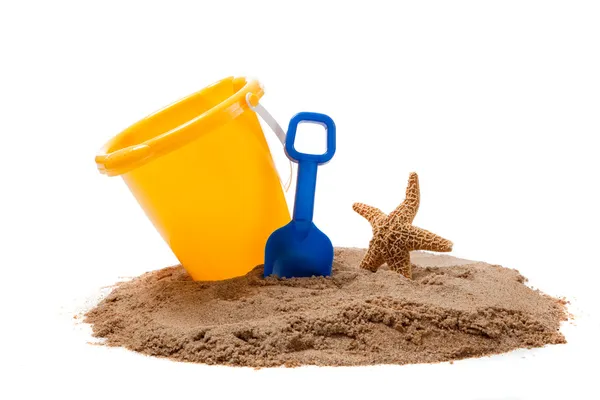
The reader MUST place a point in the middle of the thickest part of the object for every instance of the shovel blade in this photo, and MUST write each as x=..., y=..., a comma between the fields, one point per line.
x=292, y=252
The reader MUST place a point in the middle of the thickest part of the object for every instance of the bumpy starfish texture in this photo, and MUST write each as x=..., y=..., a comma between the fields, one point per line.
x=394, y=236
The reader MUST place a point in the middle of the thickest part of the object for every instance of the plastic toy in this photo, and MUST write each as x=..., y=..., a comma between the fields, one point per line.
x=300, y=249
x=202, y=171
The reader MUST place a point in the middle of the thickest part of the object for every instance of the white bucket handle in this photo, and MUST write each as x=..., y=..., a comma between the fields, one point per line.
x=275, y=127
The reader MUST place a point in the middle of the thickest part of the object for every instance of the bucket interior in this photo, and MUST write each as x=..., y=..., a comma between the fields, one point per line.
x=177, y=114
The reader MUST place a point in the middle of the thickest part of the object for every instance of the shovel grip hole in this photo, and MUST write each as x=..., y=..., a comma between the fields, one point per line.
x=311, y=138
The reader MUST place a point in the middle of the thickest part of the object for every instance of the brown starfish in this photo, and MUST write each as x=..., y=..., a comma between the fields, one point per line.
x=394, y=236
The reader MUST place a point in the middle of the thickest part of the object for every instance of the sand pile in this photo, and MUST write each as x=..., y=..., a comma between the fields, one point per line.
x=452, y=309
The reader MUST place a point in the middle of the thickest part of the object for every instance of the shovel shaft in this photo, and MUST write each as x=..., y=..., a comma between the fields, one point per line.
x=304, y=204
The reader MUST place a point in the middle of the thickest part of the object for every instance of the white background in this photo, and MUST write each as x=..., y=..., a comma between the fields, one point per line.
x=495, y=104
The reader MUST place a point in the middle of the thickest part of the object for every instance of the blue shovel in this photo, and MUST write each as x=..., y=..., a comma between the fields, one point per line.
x=300, y=249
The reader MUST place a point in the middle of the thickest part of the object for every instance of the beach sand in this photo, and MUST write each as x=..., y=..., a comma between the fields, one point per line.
x=452, y=309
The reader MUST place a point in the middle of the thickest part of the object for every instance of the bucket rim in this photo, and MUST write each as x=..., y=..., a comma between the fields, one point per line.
x=124, y=159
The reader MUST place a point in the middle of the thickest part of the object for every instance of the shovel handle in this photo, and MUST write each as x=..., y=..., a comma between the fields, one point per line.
x=308, y=164
x=315, y=118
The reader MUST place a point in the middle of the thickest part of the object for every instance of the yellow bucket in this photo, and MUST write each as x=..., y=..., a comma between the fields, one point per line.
x=202, y=171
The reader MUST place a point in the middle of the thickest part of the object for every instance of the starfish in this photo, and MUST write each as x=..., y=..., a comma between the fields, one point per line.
x=394, y=235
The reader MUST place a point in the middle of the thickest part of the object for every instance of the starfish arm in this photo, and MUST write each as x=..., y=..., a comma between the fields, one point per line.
x=399, y=261
x=415, y=238
x=372, y=259
x=372, y=214
x=407, y=210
